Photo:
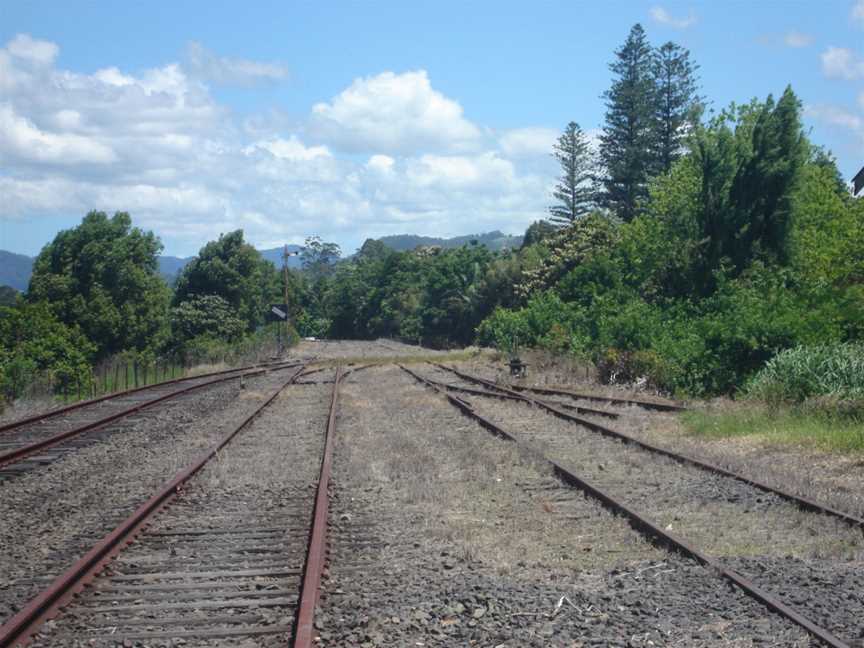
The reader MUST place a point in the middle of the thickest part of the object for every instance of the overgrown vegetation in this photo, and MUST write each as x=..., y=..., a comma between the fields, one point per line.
x=96, y=302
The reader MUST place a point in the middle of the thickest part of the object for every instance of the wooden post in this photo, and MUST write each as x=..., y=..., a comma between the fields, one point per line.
x=135, y=372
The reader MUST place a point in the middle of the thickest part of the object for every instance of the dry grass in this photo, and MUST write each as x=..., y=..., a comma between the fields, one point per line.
x=834, y=478
x=480, y=494
x=197, y=370
x=555, y=372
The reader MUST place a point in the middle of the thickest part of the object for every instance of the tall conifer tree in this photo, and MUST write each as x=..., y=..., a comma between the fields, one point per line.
x=626, y=142
x=677, y=105
x=574, y=191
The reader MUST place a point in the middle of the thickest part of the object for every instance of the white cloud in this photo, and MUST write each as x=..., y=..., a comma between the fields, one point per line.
x=290, y=149
x=35, y=51
x=797, y=39
x=381, y=163
x=663, y=17
x=521, y=142
x=396, y=113
x=21, y=139
x=842, y=63
x=838, y=117
x=857, y=12
x=158, y=144
x=460, y=172
x=205, y=65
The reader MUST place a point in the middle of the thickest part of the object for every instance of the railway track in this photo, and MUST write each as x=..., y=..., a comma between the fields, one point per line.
x=231, y=549
x=40, y=440
x=570, y=394
x=555, y=409
x=630, y=485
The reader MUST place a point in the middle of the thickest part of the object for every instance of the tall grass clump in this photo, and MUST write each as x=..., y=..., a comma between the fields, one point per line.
x=813, y=374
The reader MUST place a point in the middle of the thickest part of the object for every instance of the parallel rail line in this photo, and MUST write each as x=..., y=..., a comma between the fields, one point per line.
x=119, y=394
x=190, y=593
x=642, y=524
x=801, y=502
x=29, y=448
x=548, y=391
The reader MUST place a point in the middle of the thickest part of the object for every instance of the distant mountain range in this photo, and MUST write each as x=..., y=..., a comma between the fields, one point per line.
x=170, y=266
x=15, y=269
x=495, y=241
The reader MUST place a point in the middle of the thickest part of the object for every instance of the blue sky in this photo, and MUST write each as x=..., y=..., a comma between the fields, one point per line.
x=351, y=120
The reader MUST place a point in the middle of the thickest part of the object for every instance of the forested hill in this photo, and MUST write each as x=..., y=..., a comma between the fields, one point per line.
x=494, y=241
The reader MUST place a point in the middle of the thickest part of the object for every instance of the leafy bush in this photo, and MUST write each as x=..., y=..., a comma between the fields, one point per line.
x=34, y=344
x=205, y=315
x=803, y=373
x=626, y=367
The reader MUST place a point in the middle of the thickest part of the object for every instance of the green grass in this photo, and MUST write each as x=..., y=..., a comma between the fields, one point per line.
x=789, y=426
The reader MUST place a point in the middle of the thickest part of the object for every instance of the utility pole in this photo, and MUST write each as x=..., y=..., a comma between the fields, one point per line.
x=285, y=255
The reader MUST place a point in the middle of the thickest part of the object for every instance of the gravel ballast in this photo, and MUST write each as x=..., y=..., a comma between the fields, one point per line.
x=722, y=516
x=52, y=516
x=247, y=511
x=446, y=536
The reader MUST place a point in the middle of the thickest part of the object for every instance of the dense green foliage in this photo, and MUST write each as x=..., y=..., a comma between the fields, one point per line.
x=8, y=296
x=650, y=109
x=96, y=294
x=33, y=342
x=102, y=278
x=233, y=270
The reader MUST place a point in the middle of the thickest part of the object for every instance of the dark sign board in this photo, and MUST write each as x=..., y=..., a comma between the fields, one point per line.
x=277, y=313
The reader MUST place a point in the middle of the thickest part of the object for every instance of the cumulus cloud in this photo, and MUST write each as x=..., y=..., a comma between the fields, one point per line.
x=380, y=163
x=20, y=138
x=158, y=144
x=204, y=64
x=663, y=17
x=521, y=142
x=394, y=113
x=842, y=63
x=288, y=149
x=40, y=52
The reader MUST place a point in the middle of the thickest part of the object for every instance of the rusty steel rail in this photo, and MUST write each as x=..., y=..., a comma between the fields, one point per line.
x=317, y=552
x=662, y=407
x=93, y=401
x=18, y=454
x=800, y=501
x=644, y=525
x=518, y=397
x=18, y=630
